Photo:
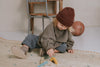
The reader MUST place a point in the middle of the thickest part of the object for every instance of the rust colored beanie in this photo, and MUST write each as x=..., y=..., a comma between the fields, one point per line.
x=66, y=16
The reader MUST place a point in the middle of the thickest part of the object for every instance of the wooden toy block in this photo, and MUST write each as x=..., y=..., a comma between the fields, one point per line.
x=54, y=60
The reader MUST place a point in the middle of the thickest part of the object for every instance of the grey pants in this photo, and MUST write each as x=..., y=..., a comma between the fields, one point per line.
x=31, y=42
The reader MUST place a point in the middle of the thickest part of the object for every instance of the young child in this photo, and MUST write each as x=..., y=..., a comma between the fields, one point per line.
x=55, y=38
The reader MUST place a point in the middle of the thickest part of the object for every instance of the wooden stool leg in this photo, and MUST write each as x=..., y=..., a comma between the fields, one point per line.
x=60, y=5
x=32, y=25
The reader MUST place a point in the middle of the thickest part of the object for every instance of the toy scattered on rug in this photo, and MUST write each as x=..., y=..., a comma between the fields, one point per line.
x=42, y=60
x=42, y=64
x=53, y=59
x=50, y=63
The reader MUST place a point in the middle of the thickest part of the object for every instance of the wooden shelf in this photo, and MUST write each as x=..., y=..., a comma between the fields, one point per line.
x=52, y=0
x=42, y=2
x=32, y=8
x=39, y=2
x=41, y=14
x=36, y=2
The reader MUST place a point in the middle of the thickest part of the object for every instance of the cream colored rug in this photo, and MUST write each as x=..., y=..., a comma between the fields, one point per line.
x=77, y=59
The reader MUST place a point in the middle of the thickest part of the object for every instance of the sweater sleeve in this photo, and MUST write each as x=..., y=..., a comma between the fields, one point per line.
x=47, y=38
x=70, y=41
x=47, y=43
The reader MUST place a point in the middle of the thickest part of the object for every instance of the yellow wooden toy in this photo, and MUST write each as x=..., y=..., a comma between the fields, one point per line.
x=54, y=60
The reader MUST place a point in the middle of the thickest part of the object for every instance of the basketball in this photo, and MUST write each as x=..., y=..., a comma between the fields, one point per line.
x=77, y=28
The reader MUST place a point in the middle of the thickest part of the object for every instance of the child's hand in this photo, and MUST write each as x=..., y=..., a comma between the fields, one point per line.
x=50, y=52
x=70, y=51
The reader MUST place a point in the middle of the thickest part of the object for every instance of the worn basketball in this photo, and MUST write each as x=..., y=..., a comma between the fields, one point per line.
x=77, y=28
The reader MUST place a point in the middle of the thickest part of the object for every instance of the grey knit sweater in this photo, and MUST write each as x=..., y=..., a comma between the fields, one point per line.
x=52, y=37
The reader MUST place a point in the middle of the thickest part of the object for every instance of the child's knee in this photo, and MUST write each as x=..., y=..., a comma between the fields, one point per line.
x=63, y=50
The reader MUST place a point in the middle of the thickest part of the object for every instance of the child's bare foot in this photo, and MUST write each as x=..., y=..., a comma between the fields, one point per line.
x=70, y=51
x=19, y=52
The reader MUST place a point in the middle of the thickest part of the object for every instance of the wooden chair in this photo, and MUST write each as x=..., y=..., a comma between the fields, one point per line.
x=32, y=6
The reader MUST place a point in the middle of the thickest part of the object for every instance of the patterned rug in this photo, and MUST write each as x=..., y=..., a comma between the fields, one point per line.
x=77, y=59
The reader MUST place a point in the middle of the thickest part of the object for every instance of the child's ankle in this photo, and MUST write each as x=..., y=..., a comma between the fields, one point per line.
x=56, y=51
x=25, y=48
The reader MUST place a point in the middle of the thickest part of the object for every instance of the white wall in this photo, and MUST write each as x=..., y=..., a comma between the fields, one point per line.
x=87, y=11
x=13, y=14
